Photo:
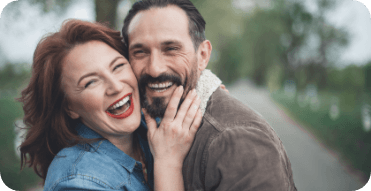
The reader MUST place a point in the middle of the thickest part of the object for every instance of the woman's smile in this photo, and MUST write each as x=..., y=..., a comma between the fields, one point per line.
x=108, y=96
x=121, y=108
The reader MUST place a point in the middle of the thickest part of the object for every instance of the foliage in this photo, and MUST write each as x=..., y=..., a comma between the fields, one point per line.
x=12, y=76
x=287, y=35
x=9, y=162
x=344, y=134
x=53, y=5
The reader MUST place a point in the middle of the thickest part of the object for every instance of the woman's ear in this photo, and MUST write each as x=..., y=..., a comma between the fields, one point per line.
x=71, y=113
x=204, y=53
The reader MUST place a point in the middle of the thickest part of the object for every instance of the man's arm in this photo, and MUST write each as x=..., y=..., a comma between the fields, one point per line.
x=246, y=158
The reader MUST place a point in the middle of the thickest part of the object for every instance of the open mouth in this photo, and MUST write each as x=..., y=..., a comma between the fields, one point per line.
x=121, y=108
x=160, y=87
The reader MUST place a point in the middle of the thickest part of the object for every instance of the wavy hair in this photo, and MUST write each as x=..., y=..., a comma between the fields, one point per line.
x=50, y=128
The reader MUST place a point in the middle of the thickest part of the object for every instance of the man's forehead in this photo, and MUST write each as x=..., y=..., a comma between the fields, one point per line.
x=158, y=16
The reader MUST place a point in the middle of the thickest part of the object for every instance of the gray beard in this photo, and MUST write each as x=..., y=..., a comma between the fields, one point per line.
x=158, y=106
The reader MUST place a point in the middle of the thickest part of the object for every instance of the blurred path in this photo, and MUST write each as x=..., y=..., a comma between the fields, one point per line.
x=314, y=168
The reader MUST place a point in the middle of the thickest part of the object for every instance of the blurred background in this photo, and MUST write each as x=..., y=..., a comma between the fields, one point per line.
x=305, y=65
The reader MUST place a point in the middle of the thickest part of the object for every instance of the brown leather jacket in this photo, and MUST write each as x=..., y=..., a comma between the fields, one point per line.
x=236, y=149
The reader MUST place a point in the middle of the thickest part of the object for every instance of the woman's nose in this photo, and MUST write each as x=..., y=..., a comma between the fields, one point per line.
x=115, y=86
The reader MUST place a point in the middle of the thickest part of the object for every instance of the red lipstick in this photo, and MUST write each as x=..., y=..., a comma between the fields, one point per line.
x=127, y=113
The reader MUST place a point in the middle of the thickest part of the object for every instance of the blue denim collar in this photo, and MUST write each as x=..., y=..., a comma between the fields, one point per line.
x=107, y=147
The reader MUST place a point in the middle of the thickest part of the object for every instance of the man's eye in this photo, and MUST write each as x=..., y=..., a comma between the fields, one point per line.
x=138, y=52
x=119, y=65
x=171, y=48
x=89, y=83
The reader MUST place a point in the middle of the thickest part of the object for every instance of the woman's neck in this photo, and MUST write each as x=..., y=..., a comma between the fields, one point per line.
x=125, y=144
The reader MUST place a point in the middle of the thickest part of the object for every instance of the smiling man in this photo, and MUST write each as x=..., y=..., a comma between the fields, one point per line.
x=235, y=148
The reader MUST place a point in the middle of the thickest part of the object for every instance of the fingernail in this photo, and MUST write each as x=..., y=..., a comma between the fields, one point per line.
x=197, y=98
x=181, y=89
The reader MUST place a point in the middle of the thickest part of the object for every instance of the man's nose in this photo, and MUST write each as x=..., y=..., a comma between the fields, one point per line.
x=156, y=65
x=115, y=86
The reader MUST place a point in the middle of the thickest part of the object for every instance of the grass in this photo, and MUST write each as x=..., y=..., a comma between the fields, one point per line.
x=9, y=162
x=344, y=133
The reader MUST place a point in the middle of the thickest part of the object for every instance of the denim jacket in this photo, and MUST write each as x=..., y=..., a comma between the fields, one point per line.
x=99, y=166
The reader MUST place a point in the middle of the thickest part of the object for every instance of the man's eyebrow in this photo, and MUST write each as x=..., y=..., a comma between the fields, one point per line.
x=169, y=42
x=137, y=45
x=94, y=73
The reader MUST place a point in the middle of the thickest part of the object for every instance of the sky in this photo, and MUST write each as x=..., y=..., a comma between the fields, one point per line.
x=355, y=17
x=18, y=38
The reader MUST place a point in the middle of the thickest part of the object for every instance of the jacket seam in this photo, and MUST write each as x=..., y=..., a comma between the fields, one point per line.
x=79, y=176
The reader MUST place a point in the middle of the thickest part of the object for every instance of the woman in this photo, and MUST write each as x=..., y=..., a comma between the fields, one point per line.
x=83, y=112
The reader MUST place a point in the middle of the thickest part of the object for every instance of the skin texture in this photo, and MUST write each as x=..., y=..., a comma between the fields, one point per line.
x=90, y=96
x=159, y=43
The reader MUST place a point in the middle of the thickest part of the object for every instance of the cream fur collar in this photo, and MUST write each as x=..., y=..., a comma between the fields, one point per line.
x=206, y=86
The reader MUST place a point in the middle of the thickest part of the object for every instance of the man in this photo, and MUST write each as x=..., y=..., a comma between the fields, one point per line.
x=234, y=148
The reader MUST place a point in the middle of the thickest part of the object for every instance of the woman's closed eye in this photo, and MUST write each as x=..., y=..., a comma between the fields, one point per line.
x=118, y=66
x=89, y=83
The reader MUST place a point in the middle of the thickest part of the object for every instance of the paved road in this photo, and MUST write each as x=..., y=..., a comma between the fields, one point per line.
x=314, y=167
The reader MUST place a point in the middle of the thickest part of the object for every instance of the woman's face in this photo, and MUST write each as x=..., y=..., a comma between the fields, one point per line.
x=101, y=89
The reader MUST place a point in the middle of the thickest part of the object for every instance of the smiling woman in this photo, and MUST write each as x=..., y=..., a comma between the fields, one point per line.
x=83, y=115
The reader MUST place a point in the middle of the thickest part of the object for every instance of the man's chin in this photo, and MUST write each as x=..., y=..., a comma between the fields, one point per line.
x=157, y=108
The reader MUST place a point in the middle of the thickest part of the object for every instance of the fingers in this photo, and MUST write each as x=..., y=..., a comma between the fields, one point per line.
x=172, y=107
x=222, y=86
x=196, y=123
x=185, y=106
x=191, y=113
x=151, y=123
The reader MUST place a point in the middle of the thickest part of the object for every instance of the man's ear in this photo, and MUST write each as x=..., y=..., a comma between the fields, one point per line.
x=204, y=53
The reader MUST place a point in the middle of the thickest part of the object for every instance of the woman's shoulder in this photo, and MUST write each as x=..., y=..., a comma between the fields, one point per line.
x=84, y=165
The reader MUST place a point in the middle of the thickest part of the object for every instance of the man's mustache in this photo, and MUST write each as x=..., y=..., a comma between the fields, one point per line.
x=145, y=79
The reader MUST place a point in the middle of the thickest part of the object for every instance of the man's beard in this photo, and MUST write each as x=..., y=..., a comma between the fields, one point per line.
x=158, y=106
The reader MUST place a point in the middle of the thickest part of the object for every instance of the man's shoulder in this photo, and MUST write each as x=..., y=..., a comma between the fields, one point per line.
x=224, y=112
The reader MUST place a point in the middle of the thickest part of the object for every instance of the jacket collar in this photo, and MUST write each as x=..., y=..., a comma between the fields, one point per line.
x=206, y=86
x=107, y=148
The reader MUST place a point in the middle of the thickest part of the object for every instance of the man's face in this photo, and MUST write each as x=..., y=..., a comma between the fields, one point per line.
x=162, y=56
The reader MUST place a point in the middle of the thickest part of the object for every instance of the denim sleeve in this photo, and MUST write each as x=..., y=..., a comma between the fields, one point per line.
x=246, y=158
x=80, y=182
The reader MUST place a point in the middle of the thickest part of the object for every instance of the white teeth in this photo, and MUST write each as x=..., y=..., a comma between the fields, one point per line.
x=160, y=90
x=161, y=85
x=120, y=103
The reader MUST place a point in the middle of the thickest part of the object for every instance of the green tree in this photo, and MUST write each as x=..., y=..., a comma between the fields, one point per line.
x=105, y=10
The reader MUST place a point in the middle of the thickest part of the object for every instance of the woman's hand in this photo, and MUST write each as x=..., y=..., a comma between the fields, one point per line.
x=171, y=141
x=222, y=86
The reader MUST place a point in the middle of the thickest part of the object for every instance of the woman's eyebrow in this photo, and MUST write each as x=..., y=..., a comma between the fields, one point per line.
x=86, y=75
x=94, y=73
x=114, y=60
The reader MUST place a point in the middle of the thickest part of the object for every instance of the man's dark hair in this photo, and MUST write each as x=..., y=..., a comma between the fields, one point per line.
x=196, y=22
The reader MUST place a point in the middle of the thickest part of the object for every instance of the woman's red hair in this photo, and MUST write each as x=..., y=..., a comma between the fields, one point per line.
x=50, y=129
